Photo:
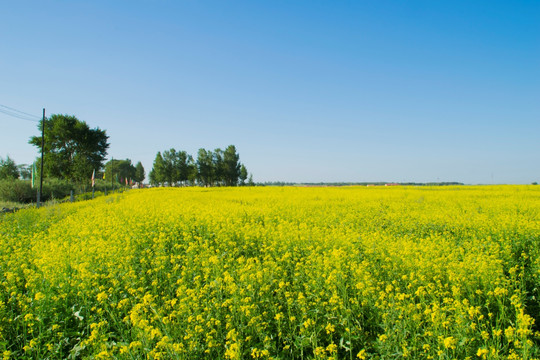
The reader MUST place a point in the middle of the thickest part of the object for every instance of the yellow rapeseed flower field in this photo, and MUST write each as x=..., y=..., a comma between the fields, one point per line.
x=275, y=273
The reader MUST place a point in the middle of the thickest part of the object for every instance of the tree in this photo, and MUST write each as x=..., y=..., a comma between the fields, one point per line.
x=119, y=170
x=231, y=166
x=8, y=169
x=72, y=150
x=157, y=174
x=191, y=170
x=243, y=175
x=218, y=167
x=170, y=161
x=139, y=173
x=183, y=166
x=176, y=166
x=212, y=168
x=25, y=171
x=204, y=167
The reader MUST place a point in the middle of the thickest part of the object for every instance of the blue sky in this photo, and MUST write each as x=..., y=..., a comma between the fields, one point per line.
x=308, y=91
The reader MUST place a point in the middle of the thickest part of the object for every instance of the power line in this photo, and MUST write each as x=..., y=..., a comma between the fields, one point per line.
x=18, y=114
x=19, y=111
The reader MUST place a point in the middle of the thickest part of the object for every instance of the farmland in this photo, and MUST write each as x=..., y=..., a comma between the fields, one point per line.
x=275, y=273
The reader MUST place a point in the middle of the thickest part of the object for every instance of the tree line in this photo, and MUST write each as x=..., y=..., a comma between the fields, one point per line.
x=74, y=158
x=210, y=168
x=121, y=170
x=9, y=170
x=75, y=152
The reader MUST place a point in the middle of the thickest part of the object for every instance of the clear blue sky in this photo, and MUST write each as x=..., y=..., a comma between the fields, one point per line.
x=308, y=91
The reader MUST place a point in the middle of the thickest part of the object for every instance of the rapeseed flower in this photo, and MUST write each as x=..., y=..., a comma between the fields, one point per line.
x=275, y=273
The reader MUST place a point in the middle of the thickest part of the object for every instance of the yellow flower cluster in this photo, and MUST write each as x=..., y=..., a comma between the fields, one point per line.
x=275, y=273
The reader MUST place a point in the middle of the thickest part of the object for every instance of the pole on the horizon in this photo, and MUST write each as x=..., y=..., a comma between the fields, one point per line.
x=112, y=176
x=40, y=193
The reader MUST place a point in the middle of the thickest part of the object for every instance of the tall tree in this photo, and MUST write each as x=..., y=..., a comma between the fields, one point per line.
x=25, y=171
x=72, y=149
x=121, y=169
x=139, y=173
x=171, y=168
x=218, y=166
x=231, y=164
x=158, y=173
x=243, y=175
x=211, y=168
x=183, y=166
x=204, y=167
x=191, y=170
x=8, y=169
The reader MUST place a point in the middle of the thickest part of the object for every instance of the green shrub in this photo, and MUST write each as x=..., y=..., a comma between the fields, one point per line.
x=21, y=190
x=56, y=189
x=17, y=191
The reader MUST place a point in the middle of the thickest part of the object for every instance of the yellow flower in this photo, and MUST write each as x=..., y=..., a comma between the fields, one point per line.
x=482, y=353
x=450, y=342
x=102, y=296
x=509, y=333
x=233, y=351
x=104, y=355
x=318, y=351
x=330, y=328
x=266, y=263
x=308, y=323
x=361, y=354
x=332, y=349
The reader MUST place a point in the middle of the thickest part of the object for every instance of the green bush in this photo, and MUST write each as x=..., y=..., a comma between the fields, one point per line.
x=21, y=190
x=56, y=189
x=17, y=191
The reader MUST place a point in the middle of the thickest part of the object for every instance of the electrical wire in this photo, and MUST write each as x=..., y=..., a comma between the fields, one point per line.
x=19, y=111
x=18, y=114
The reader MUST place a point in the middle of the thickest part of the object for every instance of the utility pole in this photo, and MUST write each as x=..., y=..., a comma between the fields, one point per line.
x=112, y=176
x=40, y=193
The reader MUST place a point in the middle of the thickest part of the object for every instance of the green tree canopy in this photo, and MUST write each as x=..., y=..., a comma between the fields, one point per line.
x=191, y=170
x=212, y=168
x=119, y=169
x=139, y=173
x=183, y=162
x=171, y=166
x=205, y=167
x=218, y=167
x=25, y=171
x=8, y=169
x=231, y=164
x=243, y=175
x=72, y=149
x=158, y=173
